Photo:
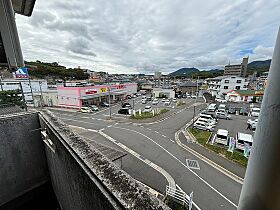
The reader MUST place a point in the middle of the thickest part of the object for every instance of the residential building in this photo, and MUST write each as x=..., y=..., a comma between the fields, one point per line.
x=163, y=93
x=237, y=69
x=188, y=87
x=76, y=97
x=157, y=75
x=223, y=84
x=245, y=95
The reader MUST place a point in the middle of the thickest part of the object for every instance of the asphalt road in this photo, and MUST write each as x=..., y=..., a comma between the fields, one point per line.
x=156, y=142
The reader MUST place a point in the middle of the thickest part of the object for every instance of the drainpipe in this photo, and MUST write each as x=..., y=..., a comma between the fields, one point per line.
x=261, y=188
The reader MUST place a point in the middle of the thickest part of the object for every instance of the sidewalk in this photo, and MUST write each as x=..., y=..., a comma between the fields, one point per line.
x=220, y=160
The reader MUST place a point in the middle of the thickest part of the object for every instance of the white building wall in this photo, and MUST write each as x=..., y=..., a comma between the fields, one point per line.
x=232, y=83
x=15, y=84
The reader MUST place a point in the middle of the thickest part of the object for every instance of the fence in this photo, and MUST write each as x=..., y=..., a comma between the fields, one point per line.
x=179, y=195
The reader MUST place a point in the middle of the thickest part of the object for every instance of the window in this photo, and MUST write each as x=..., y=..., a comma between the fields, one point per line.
x=226, y=81
x=237, y=87
x=225, y=87
x=238, y=81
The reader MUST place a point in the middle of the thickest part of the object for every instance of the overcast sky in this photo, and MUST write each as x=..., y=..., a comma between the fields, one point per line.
x=143, y=36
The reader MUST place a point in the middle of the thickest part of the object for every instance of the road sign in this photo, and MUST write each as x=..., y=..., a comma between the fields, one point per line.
x=231, y=144
x=191, y=201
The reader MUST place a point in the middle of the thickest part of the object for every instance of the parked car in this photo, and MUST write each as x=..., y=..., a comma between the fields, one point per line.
x=189, y=96
x=126, y=105
x=203, y=126
x=167, y=102
x=210, y=122
x=253, y=123
x=155, y=101
x=134, y=96
x=212, y=108
x=138, y=94
x=147, y=109
x=128, y=97
x=231, y=110
x=144, y=101
x=208, y=116
x=222, y=137
x=104, y=104
x=255, y=112
x=125, y=111
x=220, y=100
x=243, y=138
x=93, y=108
x=193, y=96
x=149, y=98
x=85, y=110
x=144, y=97
x=244, y=111
x=223, y=115
x=222, y=107
x=174, y=100
x=163, y=100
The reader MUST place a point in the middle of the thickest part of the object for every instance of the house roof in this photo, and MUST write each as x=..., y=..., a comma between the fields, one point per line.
x=188, y=84
x=248, y=92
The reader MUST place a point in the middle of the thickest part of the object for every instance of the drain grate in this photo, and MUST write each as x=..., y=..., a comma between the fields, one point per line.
x=192, y=164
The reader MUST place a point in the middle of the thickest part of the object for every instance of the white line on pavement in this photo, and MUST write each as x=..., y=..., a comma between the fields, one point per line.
x=195, y=174
x=168, y=177
x=163, y=136
x=172, y=140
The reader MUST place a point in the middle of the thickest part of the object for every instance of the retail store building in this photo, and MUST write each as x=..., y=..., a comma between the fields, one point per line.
x=76, y=97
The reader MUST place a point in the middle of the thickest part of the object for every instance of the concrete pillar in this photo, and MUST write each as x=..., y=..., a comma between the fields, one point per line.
x=261, y=188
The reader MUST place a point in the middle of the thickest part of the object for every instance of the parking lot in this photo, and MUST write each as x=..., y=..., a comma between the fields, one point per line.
x=237, y=123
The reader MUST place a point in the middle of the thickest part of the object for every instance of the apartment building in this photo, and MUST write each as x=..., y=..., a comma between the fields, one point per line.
x=239, y=70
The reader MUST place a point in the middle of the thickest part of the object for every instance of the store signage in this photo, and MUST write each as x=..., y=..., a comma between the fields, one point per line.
x=21, y=73
x=103, y=90
x=90, y=91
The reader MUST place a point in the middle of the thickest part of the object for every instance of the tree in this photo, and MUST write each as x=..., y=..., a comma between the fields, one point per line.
x=12, y=97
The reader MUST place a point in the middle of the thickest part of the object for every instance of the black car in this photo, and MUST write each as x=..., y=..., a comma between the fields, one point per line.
x=126, y=105
x=231, y=110
x=124, y=111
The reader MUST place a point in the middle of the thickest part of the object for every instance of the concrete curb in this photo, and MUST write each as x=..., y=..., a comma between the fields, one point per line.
x=203, y=158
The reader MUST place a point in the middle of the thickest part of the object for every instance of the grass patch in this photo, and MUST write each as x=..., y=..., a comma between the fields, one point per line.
x=145, y=115
x=203, y=136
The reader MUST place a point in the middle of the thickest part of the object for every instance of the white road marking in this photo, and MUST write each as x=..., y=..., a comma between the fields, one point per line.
x=172, y=140
x=168, y=177
x=195, y=174
x=149, y=129
x=156, y=131
x=163, y=136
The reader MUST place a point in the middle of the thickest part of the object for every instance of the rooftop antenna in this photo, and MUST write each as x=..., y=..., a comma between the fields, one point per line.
x=228, y=62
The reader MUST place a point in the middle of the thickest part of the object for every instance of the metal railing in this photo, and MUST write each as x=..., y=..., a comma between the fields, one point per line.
x=180, y=196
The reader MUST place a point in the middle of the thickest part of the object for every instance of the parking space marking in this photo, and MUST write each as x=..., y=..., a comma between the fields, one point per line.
x=172, y=140
x=156, y=131
x=163, y=136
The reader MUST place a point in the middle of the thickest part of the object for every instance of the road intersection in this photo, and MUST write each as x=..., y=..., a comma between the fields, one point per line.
x=154, y=143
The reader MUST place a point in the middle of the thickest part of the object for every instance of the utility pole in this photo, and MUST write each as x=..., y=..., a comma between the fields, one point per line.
x=31, y=91
x=261, y=189
x=109, y=89
x=196, y=88
x=23, y=97
x=193, y=115
x=1, y=81
x=41, y=95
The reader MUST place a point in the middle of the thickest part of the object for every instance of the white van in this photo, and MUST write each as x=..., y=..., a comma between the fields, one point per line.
x=210, y=122
x=222, y=137
x=203, y=126
x=222, y=107
x=242, y=138
x=212, y=108
x=255, y=112
x=207, y=116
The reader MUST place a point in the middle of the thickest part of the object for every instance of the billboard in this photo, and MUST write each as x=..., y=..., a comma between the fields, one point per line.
x=22, y=72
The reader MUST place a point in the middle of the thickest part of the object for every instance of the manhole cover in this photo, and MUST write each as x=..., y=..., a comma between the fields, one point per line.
x=192, y=164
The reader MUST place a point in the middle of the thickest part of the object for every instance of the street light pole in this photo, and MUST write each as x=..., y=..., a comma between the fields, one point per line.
x=109, y=89
x=193, y=116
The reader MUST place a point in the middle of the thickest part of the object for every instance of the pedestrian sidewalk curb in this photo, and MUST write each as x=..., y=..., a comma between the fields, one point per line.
x=203, y=158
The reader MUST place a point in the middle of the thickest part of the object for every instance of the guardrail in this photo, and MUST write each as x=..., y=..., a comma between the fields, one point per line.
x=180, y=195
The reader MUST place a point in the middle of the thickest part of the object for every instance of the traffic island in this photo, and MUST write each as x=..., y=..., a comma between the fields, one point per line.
x=202, y=138
x=144, y=115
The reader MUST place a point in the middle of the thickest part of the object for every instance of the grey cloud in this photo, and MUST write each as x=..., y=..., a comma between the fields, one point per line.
x=144, y=36
x=80, y=46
